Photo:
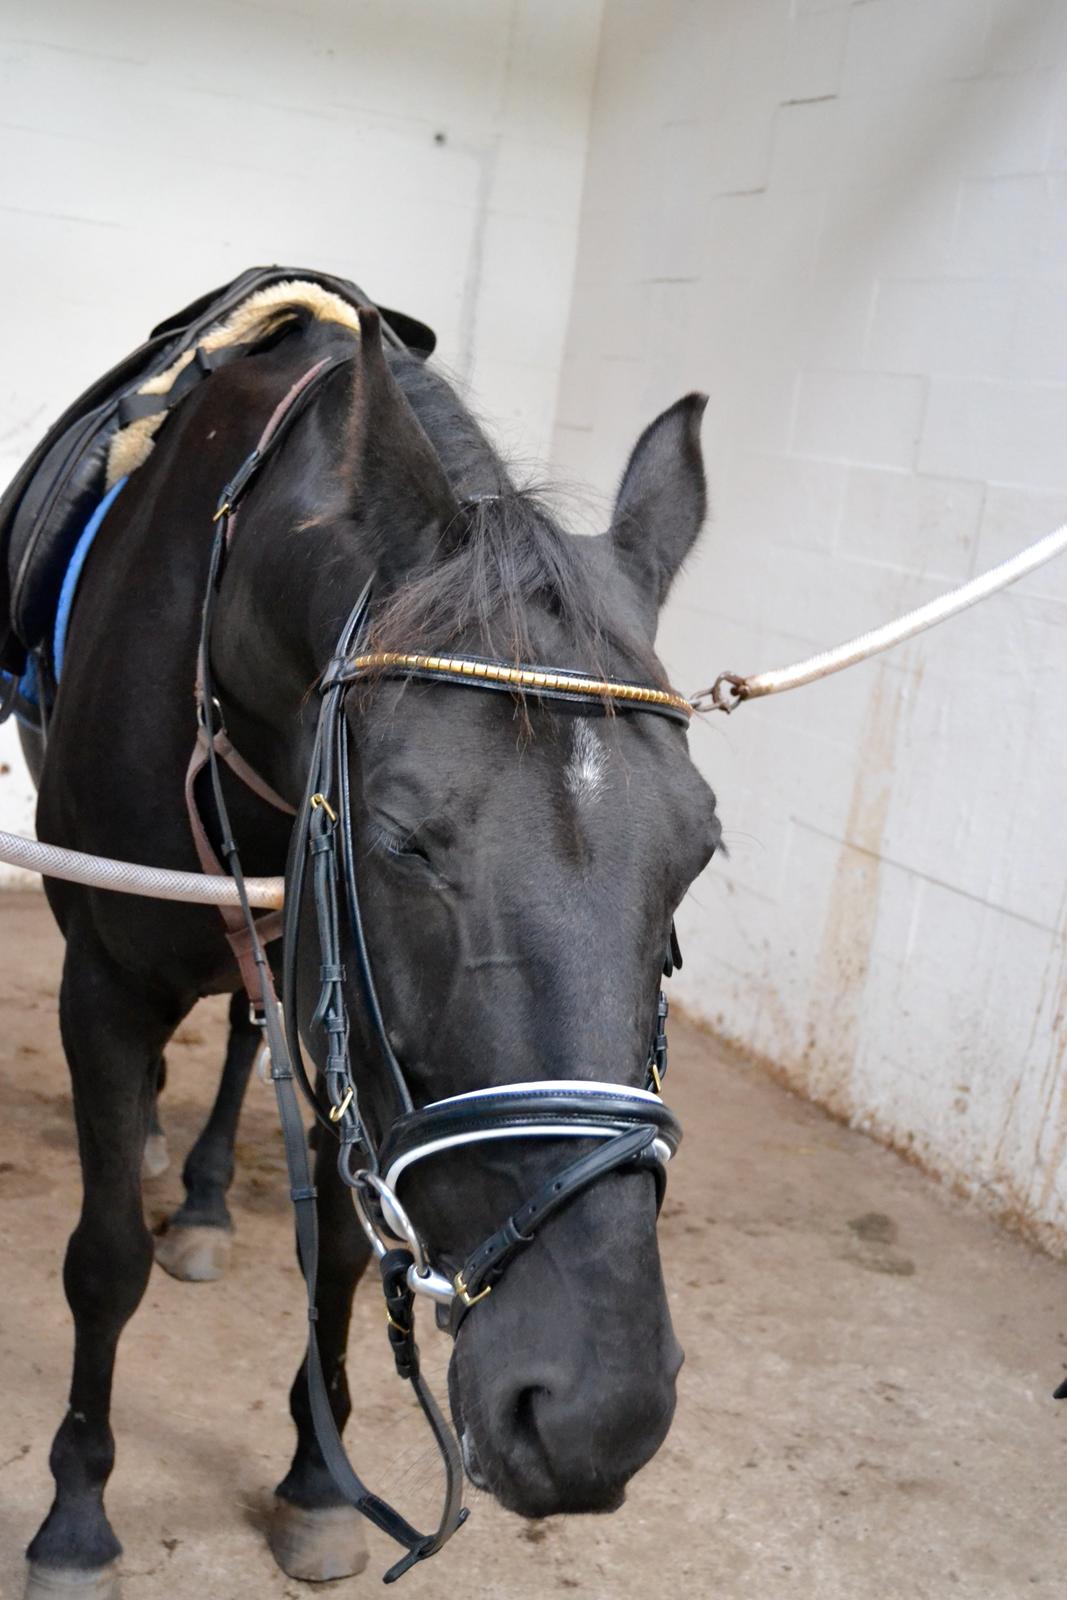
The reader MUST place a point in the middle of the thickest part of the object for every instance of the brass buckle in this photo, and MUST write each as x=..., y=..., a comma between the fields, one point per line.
x=338, y=1111
x=465, y=1294
x=657, y=1081
x=321, y=800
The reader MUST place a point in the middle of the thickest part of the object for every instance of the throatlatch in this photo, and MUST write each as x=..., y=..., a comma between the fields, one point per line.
x=632, y=1128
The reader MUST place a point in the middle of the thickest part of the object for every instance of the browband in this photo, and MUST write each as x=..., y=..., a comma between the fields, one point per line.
x=470, y=670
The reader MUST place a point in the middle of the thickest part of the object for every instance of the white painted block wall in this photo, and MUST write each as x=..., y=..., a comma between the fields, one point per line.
x=433, y=152
x=848, y=222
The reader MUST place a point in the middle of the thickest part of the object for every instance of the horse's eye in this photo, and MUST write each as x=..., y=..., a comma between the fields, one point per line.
x=403, y=847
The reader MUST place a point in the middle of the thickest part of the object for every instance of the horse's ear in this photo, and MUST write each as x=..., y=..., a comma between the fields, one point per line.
x=395, y=482
x=662, y=499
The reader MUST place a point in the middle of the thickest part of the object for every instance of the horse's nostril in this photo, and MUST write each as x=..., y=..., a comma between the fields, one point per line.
x=525, y=1402
x=471, y=1464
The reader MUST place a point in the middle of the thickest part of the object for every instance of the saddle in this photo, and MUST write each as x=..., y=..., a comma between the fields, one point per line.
x=108, y=431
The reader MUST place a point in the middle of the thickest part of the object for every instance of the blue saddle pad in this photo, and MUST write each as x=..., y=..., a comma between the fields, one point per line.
x=29, y=690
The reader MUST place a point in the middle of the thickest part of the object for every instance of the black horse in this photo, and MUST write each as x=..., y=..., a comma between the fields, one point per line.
x=519, y=868
x=193, y=1243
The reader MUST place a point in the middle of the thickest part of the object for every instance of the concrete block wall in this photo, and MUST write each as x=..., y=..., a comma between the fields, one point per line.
x=434, y=153
x=848, y=223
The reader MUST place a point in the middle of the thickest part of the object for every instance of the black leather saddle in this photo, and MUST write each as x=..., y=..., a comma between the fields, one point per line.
x=53, y=495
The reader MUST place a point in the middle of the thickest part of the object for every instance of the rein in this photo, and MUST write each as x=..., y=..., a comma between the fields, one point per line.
x=633, y=1128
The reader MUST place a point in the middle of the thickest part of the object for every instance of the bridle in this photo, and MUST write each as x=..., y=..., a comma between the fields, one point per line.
x=632, y=1127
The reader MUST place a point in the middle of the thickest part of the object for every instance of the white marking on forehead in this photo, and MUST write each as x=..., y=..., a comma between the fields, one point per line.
x=584, y=772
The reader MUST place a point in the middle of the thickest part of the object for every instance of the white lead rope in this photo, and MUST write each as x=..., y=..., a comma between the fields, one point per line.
x=729, y=689
x=160, y=883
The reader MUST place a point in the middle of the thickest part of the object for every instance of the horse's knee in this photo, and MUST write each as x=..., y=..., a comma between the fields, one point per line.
x=106, y=1268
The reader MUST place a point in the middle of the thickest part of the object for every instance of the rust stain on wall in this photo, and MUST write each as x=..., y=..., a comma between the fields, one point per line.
x=1049, y=1152
x=848, y=932
x=1043, y=1130
x=1050, y=1162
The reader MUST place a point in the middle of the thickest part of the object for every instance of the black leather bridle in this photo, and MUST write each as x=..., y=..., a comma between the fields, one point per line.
x=633, y=1128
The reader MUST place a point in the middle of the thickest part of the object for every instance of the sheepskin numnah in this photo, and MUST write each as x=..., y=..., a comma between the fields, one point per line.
x=258, y=317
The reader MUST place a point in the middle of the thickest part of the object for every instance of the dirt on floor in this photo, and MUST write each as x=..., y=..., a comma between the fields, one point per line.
x=865, y=1410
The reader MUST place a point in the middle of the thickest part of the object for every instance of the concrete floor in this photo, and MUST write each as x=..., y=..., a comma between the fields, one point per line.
x=865, y=1410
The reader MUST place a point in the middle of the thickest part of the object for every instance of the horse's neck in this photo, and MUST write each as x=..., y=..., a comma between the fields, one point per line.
x=283, y=603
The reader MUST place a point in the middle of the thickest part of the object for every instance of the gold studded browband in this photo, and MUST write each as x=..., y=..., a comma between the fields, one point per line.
x=535, y=680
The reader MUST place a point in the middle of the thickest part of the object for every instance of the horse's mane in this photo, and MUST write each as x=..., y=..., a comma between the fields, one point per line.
x=512, y=566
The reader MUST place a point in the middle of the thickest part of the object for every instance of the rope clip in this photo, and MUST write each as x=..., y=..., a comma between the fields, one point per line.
x=725, y=694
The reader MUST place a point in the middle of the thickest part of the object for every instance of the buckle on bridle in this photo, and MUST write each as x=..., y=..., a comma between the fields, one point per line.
x=657, y=1061
x=318, y=800
x=464, y=1294
x=236, y=486
x=338, y=1111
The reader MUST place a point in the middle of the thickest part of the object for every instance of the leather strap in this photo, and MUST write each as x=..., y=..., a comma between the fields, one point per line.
x=260, y=985
x=509, y=1111
x=484, y=1267
x=267, y=927
x=248, y=775
x=213, y=741
x=303, y=1194
x=133, y=407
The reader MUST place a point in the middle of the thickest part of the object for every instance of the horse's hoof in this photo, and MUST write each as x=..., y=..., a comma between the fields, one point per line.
x=156, y=1158
x=317, y=1545
x=194, y=1254
x=72, y=1583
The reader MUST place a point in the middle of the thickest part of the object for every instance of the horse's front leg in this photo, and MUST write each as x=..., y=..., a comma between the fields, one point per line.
x=196, y=1243
x=114, y=1030
x=314, y=1533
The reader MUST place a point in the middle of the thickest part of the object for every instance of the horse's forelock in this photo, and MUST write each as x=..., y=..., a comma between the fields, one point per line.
x=508, y=568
